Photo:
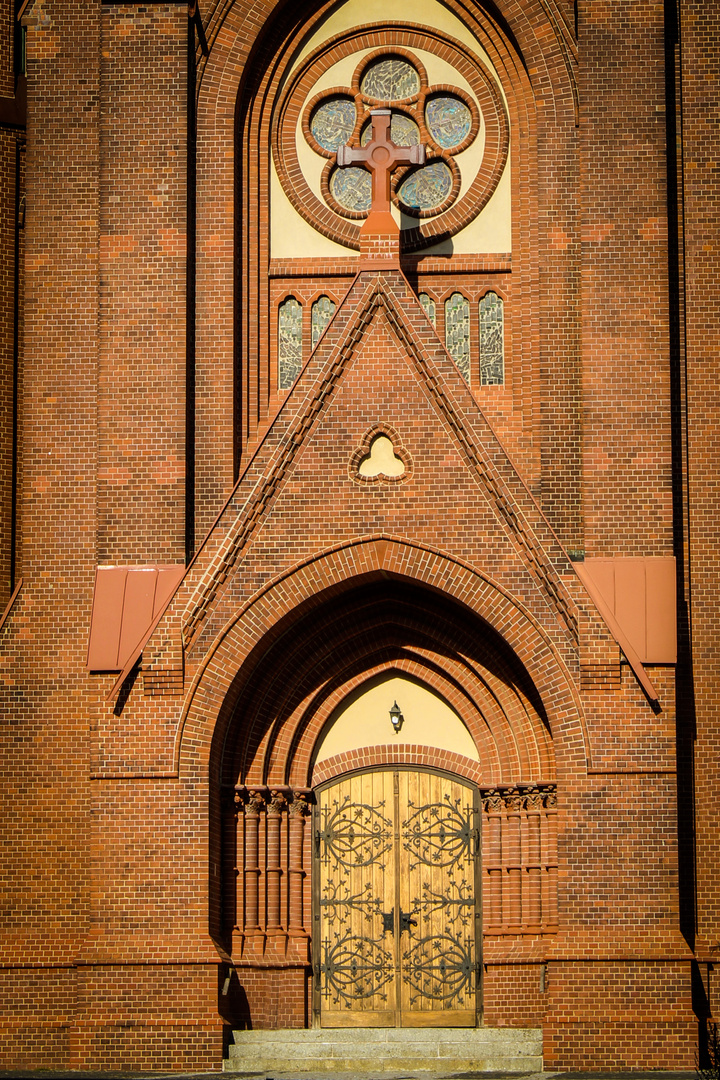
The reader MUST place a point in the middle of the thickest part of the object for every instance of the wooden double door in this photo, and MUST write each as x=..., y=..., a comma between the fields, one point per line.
x=397, y=916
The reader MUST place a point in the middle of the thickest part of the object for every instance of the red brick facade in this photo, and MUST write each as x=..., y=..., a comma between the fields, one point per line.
x=158, y=889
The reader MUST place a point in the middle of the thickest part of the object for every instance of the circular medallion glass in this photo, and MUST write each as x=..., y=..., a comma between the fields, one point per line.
x=403, y=131
x=333, y=123
x=427, y=187
x=390, y=80
x=351, y=188
x=448, y=120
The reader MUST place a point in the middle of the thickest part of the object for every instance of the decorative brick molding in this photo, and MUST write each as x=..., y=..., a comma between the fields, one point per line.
x=217, y=688
x=364, y=450
x=405, y=754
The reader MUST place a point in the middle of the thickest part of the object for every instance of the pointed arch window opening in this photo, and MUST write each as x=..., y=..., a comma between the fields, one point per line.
x=321, y=313
x=491, y=344
x=457, y=332
x=290, y=317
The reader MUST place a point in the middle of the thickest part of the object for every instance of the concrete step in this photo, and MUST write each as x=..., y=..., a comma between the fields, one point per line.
x=386, y=1050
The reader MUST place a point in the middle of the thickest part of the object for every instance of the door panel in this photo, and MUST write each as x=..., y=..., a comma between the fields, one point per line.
x=356, y=848
x=396, y=902
x=437, y=887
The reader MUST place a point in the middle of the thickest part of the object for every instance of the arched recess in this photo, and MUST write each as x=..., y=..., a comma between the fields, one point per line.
x=240, y=84
x=311, y=637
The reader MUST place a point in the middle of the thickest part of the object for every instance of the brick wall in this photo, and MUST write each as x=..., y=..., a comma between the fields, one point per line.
x=121, y=915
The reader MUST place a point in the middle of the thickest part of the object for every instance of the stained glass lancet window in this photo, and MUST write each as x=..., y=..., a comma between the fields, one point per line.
x=492, y=370
x=289, y=342
x=457, y=332
x=428, y=306
x=322, y=312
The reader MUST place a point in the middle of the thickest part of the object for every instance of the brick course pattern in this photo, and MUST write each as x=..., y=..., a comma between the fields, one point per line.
x=158, y=886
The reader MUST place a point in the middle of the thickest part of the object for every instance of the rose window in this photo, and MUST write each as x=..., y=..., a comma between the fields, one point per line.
x=444, y=119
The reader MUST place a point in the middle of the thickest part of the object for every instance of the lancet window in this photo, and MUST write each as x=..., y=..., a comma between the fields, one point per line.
x=491, y=350
x=428, y=306
x=290, y=316
x=322, y=312
x=457, y=332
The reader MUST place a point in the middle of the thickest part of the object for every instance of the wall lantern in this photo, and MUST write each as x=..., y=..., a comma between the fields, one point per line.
x=396, y=717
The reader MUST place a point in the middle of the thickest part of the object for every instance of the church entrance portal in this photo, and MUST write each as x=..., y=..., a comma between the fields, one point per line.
x=397, y=913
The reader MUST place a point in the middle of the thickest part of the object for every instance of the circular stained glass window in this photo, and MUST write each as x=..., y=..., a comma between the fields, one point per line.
x=448, y=120
x=390, y=80
x=403, y=131
x=427, y=188
x=352, y=189
x=333, y=123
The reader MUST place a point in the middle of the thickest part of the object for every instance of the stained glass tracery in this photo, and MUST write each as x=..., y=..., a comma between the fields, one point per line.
x=322, y=312
x=290, y=316
x=352, y=188
x=390, y=80
x=333, y=123
x=437, y=117
x=491, y=340
x=428, y=187
x=448, y=120
x=457, y=332
x=428, y=305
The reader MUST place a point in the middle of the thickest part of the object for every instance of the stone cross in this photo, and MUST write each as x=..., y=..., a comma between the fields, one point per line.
x=381, y=157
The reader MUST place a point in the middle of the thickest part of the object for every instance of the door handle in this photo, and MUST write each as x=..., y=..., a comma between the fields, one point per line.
x=406, y=921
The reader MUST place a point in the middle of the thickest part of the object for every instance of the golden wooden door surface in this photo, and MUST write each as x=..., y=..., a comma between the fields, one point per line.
x=397, y=923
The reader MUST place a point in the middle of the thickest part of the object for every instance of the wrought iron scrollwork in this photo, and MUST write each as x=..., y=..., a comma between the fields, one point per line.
x=457, y=903
x=354, y=834
x=355, y=967
x=338, y=904
x=440, y=967
x=438, y=834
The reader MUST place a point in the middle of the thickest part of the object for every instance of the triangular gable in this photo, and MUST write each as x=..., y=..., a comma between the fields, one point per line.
x=456, y=408
x=518, y=518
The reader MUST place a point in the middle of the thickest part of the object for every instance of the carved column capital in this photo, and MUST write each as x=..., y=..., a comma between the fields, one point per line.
x=276, y=803
x=300, y=806
x=492, y=801
x=255, y=801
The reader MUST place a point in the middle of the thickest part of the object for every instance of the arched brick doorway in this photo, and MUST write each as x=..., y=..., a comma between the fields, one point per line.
x=294, y=683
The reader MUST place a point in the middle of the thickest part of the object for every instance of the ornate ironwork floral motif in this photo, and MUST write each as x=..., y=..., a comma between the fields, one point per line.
x=440, y=967
x=427, y=187
x=354, y=834
x=491, y=340
x=390, y=80
x=448, y=120
x=338, y=903
x=355, y=967
x=457, y=902
x=439, y=119
x=322, y=312
x=289, y=342
x=352, y=189
x=438, y=834
x=333, y=123
x=457, y=332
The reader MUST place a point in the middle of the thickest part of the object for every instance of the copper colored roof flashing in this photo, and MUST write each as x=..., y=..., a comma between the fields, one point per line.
x=126, y=601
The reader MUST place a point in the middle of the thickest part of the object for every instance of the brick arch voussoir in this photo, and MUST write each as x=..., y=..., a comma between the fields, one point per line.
x=275, y=725
x=219, y=679
x=500, y=761
x=295, y=745
x=427, y=757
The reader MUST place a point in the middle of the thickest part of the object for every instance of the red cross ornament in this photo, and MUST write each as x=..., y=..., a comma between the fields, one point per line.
x=381, y=157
